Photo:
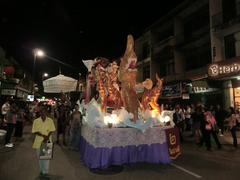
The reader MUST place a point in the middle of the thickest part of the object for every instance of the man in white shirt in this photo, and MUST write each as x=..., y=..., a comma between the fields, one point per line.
x=5, y=109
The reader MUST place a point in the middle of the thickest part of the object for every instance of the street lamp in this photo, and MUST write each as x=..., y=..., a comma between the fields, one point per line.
x=39, y=53
x=45, y=75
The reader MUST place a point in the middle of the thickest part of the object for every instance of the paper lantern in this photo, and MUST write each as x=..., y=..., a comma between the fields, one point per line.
x=8, y=70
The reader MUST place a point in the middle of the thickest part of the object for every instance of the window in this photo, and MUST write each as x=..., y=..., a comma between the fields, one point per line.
x=195, y=22
x=229, y=10
x=229, y=42
x=198, y=58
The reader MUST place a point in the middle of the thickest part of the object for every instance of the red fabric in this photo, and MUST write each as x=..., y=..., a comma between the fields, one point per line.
x=8, y=70
x=14, y=118
x=211, y=121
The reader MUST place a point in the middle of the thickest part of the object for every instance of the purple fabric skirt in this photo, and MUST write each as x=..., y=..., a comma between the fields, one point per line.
x=104, y=157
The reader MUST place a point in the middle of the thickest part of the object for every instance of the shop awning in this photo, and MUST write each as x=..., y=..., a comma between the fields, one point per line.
x=200, y=84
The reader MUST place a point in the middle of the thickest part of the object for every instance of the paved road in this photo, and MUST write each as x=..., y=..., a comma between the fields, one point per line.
x=20, y=163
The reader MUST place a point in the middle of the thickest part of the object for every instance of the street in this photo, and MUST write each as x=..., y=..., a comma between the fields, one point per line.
x=20, y=163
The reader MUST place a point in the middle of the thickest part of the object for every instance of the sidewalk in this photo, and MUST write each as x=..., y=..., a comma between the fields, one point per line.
x=226, y=139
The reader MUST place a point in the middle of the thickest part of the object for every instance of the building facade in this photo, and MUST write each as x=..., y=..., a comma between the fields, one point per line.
x=13, y=81
x=182, y=46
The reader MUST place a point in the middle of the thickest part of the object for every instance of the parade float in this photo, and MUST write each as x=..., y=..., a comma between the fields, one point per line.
x=123, y=123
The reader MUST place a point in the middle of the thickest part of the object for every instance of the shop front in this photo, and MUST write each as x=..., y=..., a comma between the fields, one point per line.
x=191, y=92
x=227, y=72
x=206, y=92
x=10, y=87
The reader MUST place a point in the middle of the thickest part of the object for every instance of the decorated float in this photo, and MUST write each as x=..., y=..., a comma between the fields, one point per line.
x=123, y=122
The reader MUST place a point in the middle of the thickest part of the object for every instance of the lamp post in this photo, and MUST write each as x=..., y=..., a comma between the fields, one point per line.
x=40, y=53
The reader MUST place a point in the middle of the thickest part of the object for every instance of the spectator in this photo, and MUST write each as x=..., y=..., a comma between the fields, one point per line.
x=179, y=121
x=62, y=123
x=11, y=121
x=209, y=130
x=20, y=120
x=232, y=122
x=220, y=115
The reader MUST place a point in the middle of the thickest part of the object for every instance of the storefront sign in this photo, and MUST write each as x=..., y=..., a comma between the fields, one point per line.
x=173, y=142
x=21, y=94
x=185, y=96
x=8, y=92
x=171, y=91
x=224, y=69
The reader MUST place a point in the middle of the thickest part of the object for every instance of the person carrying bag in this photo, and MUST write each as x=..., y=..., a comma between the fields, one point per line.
x=43, y=127
x=210, y=129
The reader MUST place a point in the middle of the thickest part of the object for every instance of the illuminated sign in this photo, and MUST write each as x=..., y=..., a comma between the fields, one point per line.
x=224, y=70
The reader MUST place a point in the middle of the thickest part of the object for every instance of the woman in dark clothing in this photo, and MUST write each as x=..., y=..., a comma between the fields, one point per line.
x=232, y=123
x=61, y=123
x=198, y=124
x=220, y=115
x=20, y=120
x=179, y=121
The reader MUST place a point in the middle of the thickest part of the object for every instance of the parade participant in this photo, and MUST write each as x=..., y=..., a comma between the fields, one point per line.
x=62, y=123
x=43, y=127
x=75, y=128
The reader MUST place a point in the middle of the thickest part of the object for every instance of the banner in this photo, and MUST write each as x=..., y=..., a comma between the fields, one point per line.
x=173, y=142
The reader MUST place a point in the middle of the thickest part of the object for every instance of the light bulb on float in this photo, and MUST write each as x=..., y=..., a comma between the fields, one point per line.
x=111, y=119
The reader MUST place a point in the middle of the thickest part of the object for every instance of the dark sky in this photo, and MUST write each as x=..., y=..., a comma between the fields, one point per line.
x=73, y=30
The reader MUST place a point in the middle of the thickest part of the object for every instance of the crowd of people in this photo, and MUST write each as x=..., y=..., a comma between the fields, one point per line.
x=206, y=122
x=15, y=114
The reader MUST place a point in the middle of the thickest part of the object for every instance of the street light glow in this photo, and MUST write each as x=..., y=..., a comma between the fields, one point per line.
x=45, y=74
x=39, y=52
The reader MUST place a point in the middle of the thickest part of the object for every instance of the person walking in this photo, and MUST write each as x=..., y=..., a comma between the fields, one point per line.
x=232, y=123
x=75, y=128
x=179, y=121
x=20, y=120
x=198, y=125
x=43, y=127
x=11, y=122
x=5, y=108
x=62, y=123
x=220, y=115
x=210, y=124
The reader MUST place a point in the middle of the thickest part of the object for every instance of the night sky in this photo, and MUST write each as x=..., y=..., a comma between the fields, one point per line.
x=72, y=30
